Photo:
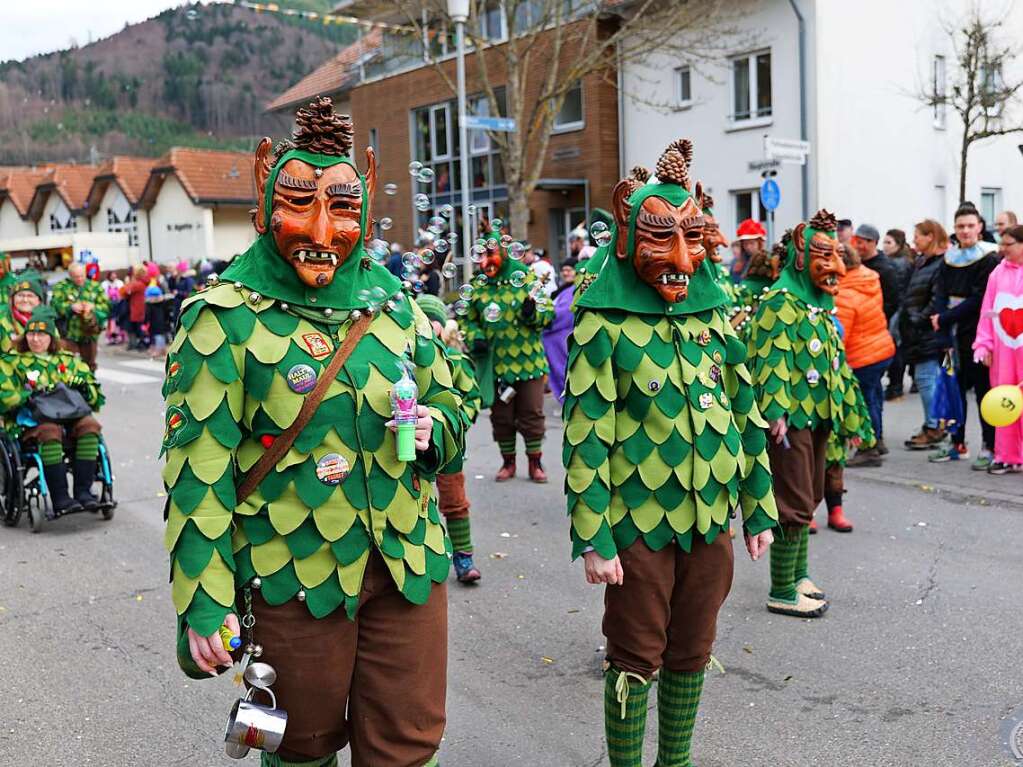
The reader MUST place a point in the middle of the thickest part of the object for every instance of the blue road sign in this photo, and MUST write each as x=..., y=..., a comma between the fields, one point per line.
x=500, y=124
x=770, y=194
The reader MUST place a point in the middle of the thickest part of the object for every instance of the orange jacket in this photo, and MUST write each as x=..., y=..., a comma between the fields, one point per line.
x=861, y=311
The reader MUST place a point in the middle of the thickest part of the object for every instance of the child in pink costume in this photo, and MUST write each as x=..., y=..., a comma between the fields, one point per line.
x=999, y=343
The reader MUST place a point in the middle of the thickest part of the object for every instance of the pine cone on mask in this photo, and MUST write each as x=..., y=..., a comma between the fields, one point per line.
x=322, y=131
x=640, y=174
x=673, y=168
x=823, y=221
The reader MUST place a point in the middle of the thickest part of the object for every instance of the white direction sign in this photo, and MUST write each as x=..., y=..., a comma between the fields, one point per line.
x=788, y=151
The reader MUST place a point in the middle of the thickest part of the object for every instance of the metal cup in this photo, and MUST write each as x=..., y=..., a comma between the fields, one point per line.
x=506, y=395
x=252, y=725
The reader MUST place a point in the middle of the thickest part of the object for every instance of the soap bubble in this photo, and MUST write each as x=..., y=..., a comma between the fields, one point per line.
x=414, y=168
x=390, y=189
x=496, y=223
x=449, y=270
x=427, y=256
x=492, y=312
x=465, y=292
x=476, y=254
x=408, y=258
x=472, y=210
x=446, y=211
x=480, y=280
x=461, y=308
x=601, y=233
x=506, y=240
x=379, y=293
x=422, y=202
x=481, y=242
x=452, y=237
x=515, y=251
x=385, y=223
x=425, y=176
x=409, y=271
x=518, y=279
x=418, y=286
x=492, y=244
x=378, y=249
x=363, y=296
x=441, y=246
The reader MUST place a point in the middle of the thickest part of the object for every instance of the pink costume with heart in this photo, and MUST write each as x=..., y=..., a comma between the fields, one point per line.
x=1000, y=333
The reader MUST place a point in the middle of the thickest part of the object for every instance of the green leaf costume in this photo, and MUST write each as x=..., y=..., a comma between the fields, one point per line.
x=515, y=342
x=663, y=438
x=66, y=293
x=463, y=379
x=23, y=374
x=246, y=353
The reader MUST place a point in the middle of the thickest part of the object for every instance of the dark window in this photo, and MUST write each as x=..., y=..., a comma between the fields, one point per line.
x=571, y=114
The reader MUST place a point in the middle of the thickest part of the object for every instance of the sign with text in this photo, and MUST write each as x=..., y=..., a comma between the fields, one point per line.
x=788, y=151
x=497, y=124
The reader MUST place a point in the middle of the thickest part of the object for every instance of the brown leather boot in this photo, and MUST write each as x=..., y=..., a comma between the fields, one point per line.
x=536, y=472
x=507, y=469
x=925, y=439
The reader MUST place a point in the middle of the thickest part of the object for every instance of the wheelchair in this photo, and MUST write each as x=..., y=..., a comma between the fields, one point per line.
x=23, y=487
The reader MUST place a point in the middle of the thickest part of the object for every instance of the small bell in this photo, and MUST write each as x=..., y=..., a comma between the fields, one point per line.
x=356, y=315
x=237, y=286
x=390, y=306
x=213, y=279
x=328, y=312
x=257, y=582
x=318, y=172
x=257, y=651
x=255, y=298
x=301, y=595
x=284, y=307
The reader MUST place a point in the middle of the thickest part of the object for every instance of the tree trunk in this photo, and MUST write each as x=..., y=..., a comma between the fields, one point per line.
x=518, y=207
x=963, y=156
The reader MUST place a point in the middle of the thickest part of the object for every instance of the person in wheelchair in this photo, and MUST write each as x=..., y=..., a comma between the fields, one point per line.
x=26, y=293
x=47, y=413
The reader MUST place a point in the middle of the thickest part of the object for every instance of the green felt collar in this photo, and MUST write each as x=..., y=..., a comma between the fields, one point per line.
x=357, y=282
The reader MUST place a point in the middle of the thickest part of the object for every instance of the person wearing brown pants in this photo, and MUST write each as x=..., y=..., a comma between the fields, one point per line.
x=521, y=414
x=385, y=719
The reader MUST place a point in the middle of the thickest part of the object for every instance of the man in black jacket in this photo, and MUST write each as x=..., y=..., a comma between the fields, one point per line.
x=959, y=293
x=865, y=242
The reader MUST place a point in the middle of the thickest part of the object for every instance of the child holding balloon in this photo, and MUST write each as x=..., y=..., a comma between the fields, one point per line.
x=999, y=345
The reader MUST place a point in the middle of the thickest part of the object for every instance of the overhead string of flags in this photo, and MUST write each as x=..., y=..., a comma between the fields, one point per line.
x=326, y=18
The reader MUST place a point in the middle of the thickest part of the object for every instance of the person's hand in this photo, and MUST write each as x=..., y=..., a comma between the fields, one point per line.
x=86, y=308
x=779, y=429
x=856, y=441
x=934, y=322
x=424, y=428
x=76, y=307
x=600, y=570
x=757, y=544
x=209, y=652
x=986, y=359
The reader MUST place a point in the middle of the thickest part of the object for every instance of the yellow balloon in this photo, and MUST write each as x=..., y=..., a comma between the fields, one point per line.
x=1003, y=405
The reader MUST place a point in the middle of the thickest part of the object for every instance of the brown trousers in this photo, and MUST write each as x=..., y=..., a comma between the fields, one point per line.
x=798, y=472
x=834, y=480
x=452, y=500
x=54, y=432
x=84, y=349
x=377, y=683
x=523, y=415
x=665, y=612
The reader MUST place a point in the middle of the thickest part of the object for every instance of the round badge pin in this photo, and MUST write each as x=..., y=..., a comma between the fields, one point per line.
x=332, y=469
x=302, y=379
x=815, y=345
x=835, y=363
x=706, y=400
x=813, y=377
x=654, y=385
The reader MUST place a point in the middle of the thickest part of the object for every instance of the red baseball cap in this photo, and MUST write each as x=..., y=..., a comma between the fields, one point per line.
x=751, y=230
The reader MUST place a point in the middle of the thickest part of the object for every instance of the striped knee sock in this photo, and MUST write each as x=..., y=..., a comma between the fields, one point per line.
x=678, y=700
x=784, y=552
x=87, y=447
x=507, y=446
x=534, y=446
x=461, y=538
x=273, y=760
x=51, y=452
x=625, y=698
x=802, y=565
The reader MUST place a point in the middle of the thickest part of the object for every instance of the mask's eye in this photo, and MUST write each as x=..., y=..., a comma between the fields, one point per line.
x=298, y=200
x=661, y=235
x=341, y=205
x=694, y=235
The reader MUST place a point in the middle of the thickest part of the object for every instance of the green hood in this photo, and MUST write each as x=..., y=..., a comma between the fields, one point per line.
x=617, y=285
x=262, y=268
x=797, y=282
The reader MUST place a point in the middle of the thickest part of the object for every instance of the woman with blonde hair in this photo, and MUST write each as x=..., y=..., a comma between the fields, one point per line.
x=923, y=345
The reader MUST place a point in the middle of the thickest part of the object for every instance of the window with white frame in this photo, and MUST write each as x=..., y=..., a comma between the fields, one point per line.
x=990, y=203
x=491, y=20
x=751, y=86
x=479, y=140
x=746, y=204
x=938, y=86
x=683, y=86
x=62, y=219
x=570, y=116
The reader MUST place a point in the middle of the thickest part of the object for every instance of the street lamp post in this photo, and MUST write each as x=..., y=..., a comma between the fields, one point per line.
x=458, y=11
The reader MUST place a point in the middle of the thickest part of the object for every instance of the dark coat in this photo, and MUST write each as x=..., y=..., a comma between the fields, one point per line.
x=889, y=274
x=920, y=342
x=958, y=296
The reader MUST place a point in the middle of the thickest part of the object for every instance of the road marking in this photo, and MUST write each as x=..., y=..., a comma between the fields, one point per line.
x=124, y=377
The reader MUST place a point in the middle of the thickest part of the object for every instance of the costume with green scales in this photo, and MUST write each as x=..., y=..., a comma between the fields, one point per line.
x=66, y=294
x=23, y=374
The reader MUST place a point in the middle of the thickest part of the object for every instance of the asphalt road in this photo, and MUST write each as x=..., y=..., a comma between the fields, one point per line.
x=917, y=663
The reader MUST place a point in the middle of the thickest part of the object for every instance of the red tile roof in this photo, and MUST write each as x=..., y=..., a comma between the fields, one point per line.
x=208, y=176
x=330, y=77
x=70, y=182
x=19, y=184
x=129, y=173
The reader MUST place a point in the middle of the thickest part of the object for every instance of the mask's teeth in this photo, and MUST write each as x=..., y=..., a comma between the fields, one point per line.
x=333, y=259
x=301, y=256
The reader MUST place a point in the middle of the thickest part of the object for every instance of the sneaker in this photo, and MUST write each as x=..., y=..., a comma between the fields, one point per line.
x=808, y=588
x=465, y=570
x=950, y=453
x=999, y=468
x=893, y=394
x=803, y=607
x=925, y=439
x=984, y=461
x=869, y=458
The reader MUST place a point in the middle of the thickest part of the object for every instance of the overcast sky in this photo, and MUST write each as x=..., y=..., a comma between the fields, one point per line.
x=40, y=26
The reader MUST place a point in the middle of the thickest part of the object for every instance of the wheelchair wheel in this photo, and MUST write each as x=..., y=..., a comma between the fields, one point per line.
x=10, y=483
x=38, y=507
x=107, y=504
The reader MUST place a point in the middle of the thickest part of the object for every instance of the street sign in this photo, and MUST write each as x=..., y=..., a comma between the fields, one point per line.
x=770, y=194
x=498, y=124
x=789, y=151
x=758, y=165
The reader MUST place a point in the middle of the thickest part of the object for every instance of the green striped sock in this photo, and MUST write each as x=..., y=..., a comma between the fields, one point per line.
x=802, y=564
x=784, y=552
x=534, y=446
x=458, y=531
x=51, y=452
x=678, y=700
x=272, y=760
x=625, y=698
x=507, y=447
x=87, y=447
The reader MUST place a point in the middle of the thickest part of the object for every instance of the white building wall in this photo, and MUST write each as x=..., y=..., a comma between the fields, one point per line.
x=12, y=225
x=233, y=232
x=179, y=228
x=723, y=150
x=56, y=206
